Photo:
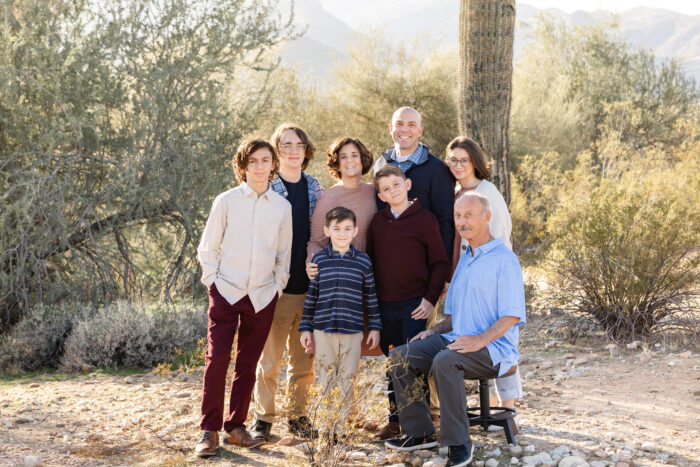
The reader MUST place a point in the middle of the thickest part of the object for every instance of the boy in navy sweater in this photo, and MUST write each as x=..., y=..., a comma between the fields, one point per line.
x=410, y=265
x=332, y=322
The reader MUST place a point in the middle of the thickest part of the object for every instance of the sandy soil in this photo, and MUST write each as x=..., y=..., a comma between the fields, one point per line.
x=607, y=407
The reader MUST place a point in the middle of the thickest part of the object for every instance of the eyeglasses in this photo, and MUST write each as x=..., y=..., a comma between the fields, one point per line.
x=452, y=162
x=290, y=147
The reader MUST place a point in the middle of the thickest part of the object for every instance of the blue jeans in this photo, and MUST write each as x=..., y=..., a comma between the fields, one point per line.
x=397, y=329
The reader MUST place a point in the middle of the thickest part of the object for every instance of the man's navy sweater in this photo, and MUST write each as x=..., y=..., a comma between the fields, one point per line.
x=408, y=255
x=434, y=186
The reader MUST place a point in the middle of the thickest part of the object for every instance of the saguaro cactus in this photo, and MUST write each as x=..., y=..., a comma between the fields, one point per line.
x=485, y=77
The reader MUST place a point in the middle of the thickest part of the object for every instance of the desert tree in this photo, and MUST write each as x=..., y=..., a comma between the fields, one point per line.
x=116, y=126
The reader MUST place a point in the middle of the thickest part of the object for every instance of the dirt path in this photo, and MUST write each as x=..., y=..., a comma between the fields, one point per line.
x=606, y=409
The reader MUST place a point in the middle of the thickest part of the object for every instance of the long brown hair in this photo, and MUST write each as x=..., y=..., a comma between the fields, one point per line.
x=482, y=168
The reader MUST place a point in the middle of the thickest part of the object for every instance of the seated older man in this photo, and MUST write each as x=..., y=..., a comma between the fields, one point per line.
x=484, y=307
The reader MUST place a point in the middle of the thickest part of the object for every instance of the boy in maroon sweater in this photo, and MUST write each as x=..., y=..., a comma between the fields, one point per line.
x=410, y=268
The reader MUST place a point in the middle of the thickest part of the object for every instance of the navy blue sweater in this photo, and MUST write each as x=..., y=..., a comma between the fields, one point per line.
x=434, y=186
x=334, y=301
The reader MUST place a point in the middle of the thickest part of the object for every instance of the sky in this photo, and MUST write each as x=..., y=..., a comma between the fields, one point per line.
x=688, y=7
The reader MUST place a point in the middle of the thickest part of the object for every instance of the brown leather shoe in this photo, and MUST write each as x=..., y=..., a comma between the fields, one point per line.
x=389, y=431
x=207, y=444
x=240, y=437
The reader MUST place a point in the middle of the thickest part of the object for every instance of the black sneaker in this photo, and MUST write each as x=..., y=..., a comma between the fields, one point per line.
x=409, y=443
x=302, y=427
x=459, y=456
x=261, y=430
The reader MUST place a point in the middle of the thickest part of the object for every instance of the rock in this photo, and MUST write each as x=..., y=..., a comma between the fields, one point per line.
x=623, y=464
x=424, y=453
x=598, y=464
x=306, y=448
x=146, y=385
x=514, y=460
x=573, y=461
x=435, y=462
x=86, y=368
x=287, y=441
x=128, y=380
x=353, y=456
x=551, y=344
x=397, y=465
x=183, y=377
x=600, y=453
x=34, y=385
x=648, y=447
x=32, y=461
x=23, y=420
x=491, y=463
x=562, y=450
x=686, y=354
x=530, y=448
x=495, y=453
x=575, y=372
x=672, y=363
x=538, y=459
x=380, y=460
x=416, y=461
x=545, y=365
x=633, y=345
x=477, y=463
x=444, y=450
x=515, y=450
x=182, y=395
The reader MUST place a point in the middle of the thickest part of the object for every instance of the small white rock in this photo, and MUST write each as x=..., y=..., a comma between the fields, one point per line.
x=514, y=460
x=495, y=453
x=530, y=448
x=357, y=456
x=435, y=462
x=32, y=461
x=128, y=380
x=573, y=461
x=491, y=463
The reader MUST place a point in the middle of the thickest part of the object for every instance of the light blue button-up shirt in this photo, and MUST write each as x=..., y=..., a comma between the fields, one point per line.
x=484, y=288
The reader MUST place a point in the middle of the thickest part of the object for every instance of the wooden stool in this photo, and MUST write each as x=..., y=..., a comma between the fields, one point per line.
x=501, y=416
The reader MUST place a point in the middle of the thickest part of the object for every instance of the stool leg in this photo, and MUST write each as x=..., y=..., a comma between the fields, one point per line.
x=485, y=402
x=511, y=430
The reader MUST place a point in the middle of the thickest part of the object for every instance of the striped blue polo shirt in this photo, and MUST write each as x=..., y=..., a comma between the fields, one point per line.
x=334, y=300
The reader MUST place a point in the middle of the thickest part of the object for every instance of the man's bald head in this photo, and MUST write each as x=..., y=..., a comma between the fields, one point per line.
x=406, y=128
x=405, y=113
x=472, y=216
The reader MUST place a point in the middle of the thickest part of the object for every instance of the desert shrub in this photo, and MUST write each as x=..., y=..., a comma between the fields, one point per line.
x=625, y=253
x=125, y=334
x=39, y=339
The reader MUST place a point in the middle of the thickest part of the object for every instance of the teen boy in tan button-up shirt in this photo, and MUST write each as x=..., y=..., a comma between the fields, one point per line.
x=245, y=254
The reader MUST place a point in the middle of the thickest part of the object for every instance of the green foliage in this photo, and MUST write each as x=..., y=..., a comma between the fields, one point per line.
x=573, y=85
x=124, y=334
x=117, y=123
x=625, y=244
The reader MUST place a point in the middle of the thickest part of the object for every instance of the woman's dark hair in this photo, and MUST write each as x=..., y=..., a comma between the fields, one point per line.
x=333, y=154
x=482, y=168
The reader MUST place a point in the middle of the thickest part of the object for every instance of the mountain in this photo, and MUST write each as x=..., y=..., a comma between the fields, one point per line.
x=333, y=25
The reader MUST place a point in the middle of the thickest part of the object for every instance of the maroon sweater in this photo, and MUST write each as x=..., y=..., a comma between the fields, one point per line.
x=408, y=255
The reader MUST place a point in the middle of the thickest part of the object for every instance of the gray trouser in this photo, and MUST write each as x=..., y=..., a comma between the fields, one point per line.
x=449, y=369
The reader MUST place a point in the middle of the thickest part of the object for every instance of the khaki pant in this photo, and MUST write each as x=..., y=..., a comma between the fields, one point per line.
x=337, y=363
x=300, y=373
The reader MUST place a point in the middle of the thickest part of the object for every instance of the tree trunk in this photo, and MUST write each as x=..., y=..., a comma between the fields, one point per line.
x=486, y=73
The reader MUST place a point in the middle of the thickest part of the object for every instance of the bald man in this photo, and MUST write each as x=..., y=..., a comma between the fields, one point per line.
x=484, y=308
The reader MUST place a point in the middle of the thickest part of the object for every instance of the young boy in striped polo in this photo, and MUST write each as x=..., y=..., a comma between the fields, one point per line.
x=332, y=322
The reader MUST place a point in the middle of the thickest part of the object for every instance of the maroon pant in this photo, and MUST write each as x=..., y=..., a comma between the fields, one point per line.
x=253, y=328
